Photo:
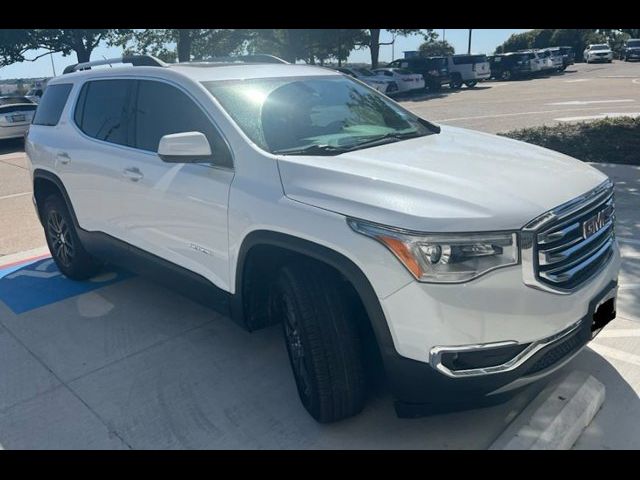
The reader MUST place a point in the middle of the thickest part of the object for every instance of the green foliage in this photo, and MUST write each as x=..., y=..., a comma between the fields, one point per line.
x=371, y=39
x=611, y=140
x=15, y=44
x=184, y=45
x=578, y=39
x=435, y=48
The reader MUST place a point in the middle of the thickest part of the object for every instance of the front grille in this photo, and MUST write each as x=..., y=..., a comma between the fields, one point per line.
x=572, y=242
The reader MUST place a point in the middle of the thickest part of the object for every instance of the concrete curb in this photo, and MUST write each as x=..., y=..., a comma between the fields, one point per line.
x=13, y=258
x=556, y=418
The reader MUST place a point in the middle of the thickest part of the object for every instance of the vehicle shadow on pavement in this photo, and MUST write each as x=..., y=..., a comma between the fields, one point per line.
x=161, y=371
x=11, y=146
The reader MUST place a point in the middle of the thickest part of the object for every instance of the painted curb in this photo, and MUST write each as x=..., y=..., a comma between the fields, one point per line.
x=556, y=418
x=15, y=258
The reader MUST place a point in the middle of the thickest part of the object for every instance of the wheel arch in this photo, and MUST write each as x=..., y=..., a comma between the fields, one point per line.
x=262, y=244
x=45, y=183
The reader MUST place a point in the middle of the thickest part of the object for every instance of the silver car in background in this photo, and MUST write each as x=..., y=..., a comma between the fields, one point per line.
x=16, y=113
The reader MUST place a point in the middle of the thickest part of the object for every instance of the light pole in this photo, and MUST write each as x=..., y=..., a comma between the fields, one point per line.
x=53, y=67
x=469, y=49
x=443, y=35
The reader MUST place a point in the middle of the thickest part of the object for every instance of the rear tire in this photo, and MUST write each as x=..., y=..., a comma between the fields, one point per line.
x=63, y=241
x=456, y=83
x=471, y=83
x=505, y=75
x=322, y=340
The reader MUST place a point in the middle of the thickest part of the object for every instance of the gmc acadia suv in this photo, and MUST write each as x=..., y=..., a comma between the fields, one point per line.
x=470, y=265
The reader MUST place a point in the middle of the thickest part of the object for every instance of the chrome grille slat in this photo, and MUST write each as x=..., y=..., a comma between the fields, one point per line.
x=563, y=252
x=557, y=234
x=579, y=215
x=565, y=247
x=564, y=275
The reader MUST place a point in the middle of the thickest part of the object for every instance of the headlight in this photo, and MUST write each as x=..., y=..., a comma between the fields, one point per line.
x=445, y=258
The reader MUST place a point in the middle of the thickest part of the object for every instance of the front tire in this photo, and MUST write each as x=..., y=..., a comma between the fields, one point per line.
x=471, y=83
x=64, y=244
x=505, y=75
x=322, y=340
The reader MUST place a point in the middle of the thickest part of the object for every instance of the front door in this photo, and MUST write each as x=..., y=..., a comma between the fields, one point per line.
x=178, y=210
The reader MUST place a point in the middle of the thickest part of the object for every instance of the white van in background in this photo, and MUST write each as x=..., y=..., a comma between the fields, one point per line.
x=468, y=70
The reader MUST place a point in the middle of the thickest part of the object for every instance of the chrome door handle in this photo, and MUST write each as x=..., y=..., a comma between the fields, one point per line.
x=132, y=173
x=64, y=158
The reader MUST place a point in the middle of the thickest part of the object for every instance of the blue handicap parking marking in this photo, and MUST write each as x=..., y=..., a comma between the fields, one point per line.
x=39, y=283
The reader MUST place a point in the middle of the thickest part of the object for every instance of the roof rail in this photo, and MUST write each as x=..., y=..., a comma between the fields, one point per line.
x=255, y=58
x=135, y=60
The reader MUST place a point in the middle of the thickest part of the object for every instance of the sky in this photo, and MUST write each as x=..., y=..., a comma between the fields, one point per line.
x=482, y=41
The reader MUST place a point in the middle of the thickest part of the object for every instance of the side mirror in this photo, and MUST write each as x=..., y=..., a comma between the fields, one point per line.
x=186, y=147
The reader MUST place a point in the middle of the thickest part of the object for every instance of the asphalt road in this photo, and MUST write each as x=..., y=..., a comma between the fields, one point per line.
x=582, y=92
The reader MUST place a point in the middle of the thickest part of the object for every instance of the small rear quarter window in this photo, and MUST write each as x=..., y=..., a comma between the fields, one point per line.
x=52, y=103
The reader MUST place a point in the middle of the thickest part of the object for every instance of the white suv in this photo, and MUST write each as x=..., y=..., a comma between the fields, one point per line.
x=468, y=70
x=598, y=53
x=470, y=264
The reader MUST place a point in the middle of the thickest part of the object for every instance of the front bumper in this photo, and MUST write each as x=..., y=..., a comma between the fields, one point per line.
x=422, y=389
x=429, y=323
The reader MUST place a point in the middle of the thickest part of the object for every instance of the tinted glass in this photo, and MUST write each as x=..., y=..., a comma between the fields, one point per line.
x=51, y=105
x=17, y=108
x=162, y=109
x=633, y=43
x=290, y=115
x=13, y=100
x=104, y=110
x=469, y=59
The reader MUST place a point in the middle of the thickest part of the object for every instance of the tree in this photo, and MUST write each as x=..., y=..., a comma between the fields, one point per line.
x=180, y=44
x=310, y=45
x=436, y=48
x=371, y=39
x=15, y=44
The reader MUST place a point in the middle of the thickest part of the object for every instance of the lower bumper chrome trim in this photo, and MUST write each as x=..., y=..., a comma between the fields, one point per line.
x=436, y=353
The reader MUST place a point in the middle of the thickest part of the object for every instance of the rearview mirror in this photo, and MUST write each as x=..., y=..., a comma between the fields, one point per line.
x=186, y=147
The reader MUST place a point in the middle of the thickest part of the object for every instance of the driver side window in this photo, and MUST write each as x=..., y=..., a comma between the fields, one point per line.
x=162, y=109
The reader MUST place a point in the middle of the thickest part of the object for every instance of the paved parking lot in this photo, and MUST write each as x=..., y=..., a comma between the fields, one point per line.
x=120, y=362
x=582, y=92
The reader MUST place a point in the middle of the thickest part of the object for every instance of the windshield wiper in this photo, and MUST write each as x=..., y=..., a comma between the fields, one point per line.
x=313, y=149
x=384, y=139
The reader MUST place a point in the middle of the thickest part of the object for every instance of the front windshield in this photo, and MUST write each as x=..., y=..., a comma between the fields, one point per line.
x=600, y=47
x=633, y=43
x=314, y=115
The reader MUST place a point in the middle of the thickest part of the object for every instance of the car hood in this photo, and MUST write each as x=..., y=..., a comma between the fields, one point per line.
x=458, y=180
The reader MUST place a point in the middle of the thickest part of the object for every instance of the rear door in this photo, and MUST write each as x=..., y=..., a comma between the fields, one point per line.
x=92, y=162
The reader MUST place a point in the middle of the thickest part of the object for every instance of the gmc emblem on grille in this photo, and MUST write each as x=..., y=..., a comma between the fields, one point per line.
x=595, y=223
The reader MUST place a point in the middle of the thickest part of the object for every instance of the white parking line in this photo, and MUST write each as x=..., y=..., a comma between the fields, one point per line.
x=597, y=116
x=629, y=240
x=578, y=80
x=500, y=115
x=615, y=354
x=588, y=102
x=620, y=333
x=13, y=195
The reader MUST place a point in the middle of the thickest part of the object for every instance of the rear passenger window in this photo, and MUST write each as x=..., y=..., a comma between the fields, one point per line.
x=51, y=105
x=104, y=110
x=162, y=109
